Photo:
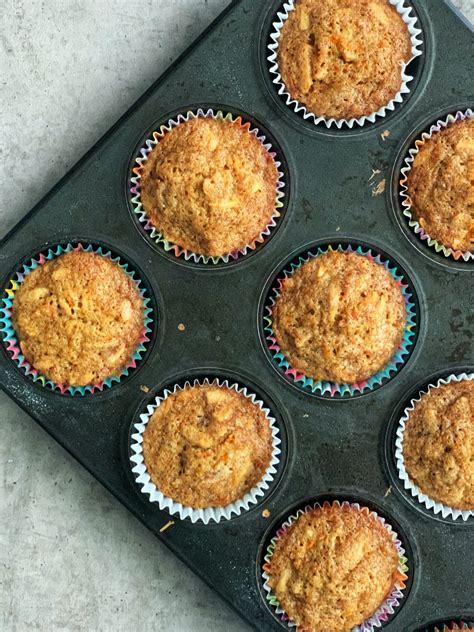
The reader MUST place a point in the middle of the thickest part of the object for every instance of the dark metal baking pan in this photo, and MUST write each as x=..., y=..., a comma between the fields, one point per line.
x=331, y=448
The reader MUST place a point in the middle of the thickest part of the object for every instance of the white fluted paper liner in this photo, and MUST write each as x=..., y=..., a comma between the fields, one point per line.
x=405, y=196
x=156, y=235
x=391, y=602
x=208, y=514
x=416, y=43
x=409, y=485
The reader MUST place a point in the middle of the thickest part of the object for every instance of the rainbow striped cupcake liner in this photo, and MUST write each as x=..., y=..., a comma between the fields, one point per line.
x=208, y=514
x=9, y=335
x=387, y=608
x=331, y=389
x=434, y=506
x=405, y=196
x=416, y=42
x=154, y=234
x=449, y=626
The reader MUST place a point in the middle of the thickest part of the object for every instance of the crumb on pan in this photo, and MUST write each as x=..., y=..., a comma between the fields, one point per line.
x=166, y=526
x=379, y=188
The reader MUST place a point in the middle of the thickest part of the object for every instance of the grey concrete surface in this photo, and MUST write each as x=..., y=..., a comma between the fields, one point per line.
x=71, y=558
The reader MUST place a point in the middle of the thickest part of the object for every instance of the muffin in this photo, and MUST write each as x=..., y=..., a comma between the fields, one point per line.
x=440, y=186
x=343, y=59
x=438, y=445
x=210, y=186
x=78, y=318
x=333, y=568
x=340, y=317
x=207, y=446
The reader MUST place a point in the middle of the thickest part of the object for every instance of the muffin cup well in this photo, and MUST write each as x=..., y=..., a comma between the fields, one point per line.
x=386, y=609
x=332, y=389
x=405, y=196
x=10, y=337
x=207, y=514
x=409, y=485
x=416, y=42
x=154, y=234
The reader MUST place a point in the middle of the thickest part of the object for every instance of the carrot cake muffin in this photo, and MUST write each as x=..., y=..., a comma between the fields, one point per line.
x=438, y=444
x=342, y=58
x=340, y=317
x=78, y=318
x=207, y=446
x=440, y=186
x=333, y=568
x=209, y=186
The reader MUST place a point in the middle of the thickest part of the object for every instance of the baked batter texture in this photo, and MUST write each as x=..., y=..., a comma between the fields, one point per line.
x=207, y=446
x=340, y=317
x=78, y=318
x=440, y=186
x=210, y=186
x=343, y=58
x=333, y=568
x=438, y=445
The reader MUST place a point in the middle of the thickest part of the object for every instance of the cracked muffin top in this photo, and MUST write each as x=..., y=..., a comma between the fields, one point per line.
x=333, y=568
x=210, y=186
x=343, y=58
x=340, y=317
x=440, y=186
x=207, y=446
x=438, y=444
x=78, y=318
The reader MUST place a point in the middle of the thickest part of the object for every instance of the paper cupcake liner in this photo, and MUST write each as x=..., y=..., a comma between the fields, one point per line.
x=409, y=485
x=405, y=197
x=207, y=514
x=448, y=625
x=12, y=343
x=154, y=234
x=416, y=42
x=331, y=388
x=387, y=608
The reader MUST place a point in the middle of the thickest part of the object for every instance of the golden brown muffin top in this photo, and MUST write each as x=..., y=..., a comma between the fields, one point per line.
x=210, y=186
x=438, y=445
x=342, y=58
x=440, y=186
x=333, y=568
x=79, y=318
x=340, y=317
x=207, y=446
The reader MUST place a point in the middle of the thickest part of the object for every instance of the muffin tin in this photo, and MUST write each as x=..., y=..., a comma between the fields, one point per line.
x=340, y=186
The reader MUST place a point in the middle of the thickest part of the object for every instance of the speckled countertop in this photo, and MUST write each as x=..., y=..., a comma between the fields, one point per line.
x=71, y=557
